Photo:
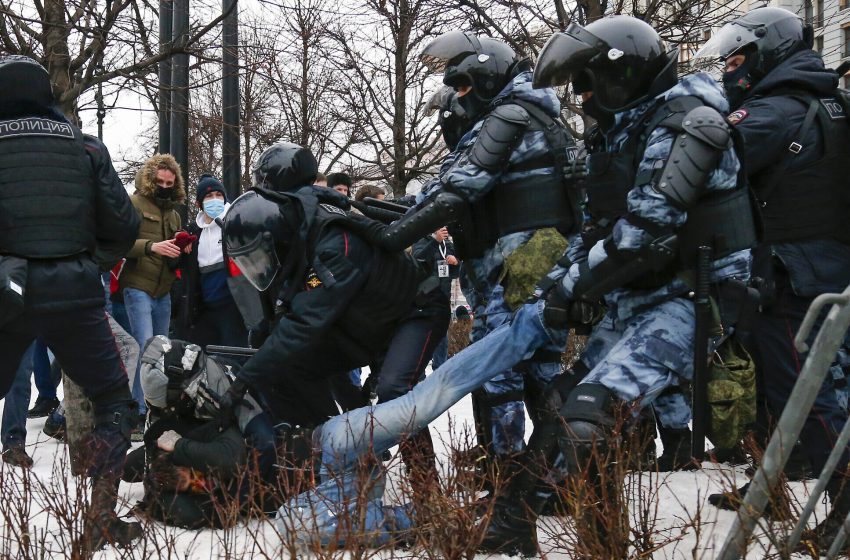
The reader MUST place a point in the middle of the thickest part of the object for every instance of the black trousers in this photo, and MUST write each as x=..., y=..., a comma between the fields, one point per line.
x=80, y=339
x=779, y=367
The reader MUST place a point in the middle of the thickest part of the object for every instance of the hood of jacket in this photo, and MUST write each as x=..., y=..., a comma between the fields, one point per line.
x=520, y=88
x=146, y=177
x=802, y=70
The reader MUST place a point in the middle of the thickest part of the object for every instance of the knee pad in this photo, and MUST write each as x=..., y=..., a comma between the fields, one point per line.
x=587, y=415
x=115, y=416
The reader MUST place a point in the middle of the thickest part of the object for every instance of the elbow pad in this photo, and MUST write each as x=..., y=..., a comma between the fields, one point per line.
x=695, y=154
x=446, y=208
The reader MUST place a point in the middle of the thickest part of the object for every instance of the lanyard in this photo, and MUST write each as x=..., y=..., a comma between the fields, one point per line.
x=441, y=245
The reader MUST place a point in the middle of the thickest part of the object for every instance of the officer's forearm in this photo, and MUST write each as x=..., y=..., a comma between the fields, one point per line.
x=445, y=208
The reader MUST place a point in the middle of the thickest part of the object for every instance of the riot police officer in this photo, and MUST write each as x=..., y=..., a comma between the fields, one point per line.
x=61, y=206
x=796, y=136
x=650, y=210
x=507, y=167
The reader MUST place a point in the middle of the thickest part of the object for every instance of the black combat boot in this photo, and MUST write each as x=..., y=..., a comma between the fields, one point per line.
x=825, y=532
x=102, y=524
x=677, y=450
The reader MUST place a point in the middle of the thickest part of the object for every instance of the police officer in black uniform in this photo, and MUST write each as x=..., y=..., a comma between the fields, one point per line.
x=62, y=208
x=797, y=144
x=333, y=297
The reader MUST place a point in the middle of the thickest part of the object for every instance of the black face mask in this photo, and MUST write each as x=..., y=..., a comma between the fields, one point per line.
x=472, y=105
x=592, y=109
x=737, y=84
x=164, y=193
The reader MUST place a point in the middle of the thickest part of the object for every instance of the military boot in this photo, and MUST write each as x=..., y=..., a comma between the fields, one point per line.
x=677, y=450
x=512, y=528
x=102, y=524
x=826, y=531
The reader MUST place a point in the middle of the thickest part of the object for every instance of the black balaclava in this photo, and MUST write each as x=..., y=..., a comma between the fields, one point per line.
x=738, y=83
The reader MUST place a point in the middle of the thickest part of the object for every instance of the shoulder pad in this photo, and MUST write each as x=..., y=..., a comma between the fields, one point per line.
x=498, y=136
x=706, y=124
x=511, y=113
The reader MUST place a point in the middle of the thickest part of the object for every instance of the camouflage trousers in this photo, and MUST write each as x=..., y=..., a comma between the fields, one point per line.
x=639, y=358
x=507, y=417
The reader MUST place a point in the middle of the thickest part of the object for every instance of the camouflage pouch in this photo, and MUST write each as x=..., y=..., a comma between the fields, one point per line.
x=531, y=262
x=731, y=394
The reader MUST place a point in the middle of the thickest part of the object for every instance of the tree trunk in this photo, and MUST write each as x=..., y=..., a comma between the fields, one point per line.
x=57, y=57
x=405, y=22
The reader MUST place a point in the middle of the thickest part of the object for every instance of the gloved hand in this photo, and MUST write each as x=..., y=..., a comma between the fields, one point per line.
x=229, y=401
x=562, y=312
x=557, y=309
x=576, y=170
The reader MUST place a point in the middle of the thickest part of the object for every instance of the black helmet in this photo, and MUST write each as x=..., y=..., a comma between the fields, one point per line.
x=284, y=167
x=620, y=58
x=466, y=60
x=771, y=35
x=254, y=236
x=24, y=86
x=451, y=117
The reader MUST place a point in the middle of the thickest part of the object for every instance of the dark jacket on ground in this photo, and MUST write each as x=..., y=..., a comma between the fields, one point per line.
x=769, y=120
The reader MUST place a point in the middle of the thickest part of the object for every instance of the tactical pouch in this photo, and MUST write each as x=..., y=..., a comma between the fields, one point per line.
x=529, y=263
x=731, y=394
x=13, y=281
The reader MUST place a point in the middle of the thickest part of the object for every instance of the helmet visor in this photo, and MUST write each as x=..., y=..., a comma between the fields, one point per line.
x=257, y=260
x=447, y=47
x=565, y=56
x=731, y=38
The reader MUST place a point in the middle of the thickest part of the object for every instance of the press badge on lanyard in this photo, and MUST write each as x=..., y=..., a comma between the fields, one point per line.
x=442, y=264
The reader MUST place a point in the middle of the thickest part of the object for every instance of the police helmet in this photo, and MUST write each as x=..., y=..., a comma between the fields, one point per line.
x=770, y=35
x=254, y=237
x=24, y=86
x=485, y=64
x=285, y=167
x=451, y=117
x=620, y=58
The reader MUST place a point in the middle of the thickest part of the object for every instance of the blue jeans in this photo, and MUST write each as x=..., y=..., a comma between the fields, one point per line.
x=346, y=437
x=13, y=431
x=148, y=317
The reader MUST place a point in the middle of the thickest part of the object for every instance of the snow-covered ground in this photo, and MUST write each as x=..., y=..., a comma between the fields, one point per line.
x=681, y=497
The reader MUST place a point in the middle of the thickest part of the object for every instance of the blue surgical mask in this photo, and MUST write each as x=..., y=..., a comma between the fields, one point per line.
x=214, y=207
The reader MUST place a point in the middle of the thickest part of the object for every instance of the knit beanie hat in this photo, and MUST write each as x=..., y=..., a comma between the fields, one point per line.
x=207, y=184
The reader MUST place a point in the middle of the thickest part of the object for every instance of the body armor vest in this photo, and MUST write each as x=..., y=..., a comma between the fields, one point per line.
x=47, y=206
x=813, y=201
x=723, y=220
x=524, y=204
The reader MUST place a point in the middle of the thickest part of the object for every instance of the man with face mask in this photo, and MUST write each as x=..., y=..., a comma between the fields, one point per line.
x=147, y=275
x=507, y=164
x=213, y=315
x=797, y=143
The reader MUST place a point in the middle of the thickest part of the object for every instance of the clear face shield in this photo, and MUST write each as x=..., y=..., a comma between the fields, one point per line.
x=257, y=260
x=730, y=39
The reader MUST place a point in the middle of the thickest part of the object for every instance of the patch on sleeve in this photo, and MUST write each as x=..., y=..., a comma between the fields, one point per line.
x=312, y=282
x=737, y=116
x=834, y=109
x=332, y=209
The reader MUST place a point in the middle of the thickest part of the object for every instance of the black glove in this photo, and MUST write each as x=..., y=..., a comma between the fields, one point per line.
x=576, y=170
x=562, y=312
x=556, y=313
x=229, y=401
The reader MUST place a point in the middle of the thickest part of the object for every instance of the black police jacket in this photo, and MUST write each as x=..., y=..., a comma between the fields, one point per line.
x=78, y=219
x=436, y=302
x=769, y=120
x=344, y=312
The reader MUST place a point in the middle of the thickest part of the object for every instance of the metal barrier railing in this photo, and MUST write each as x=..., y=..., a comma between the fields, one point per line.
x=825, y=347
